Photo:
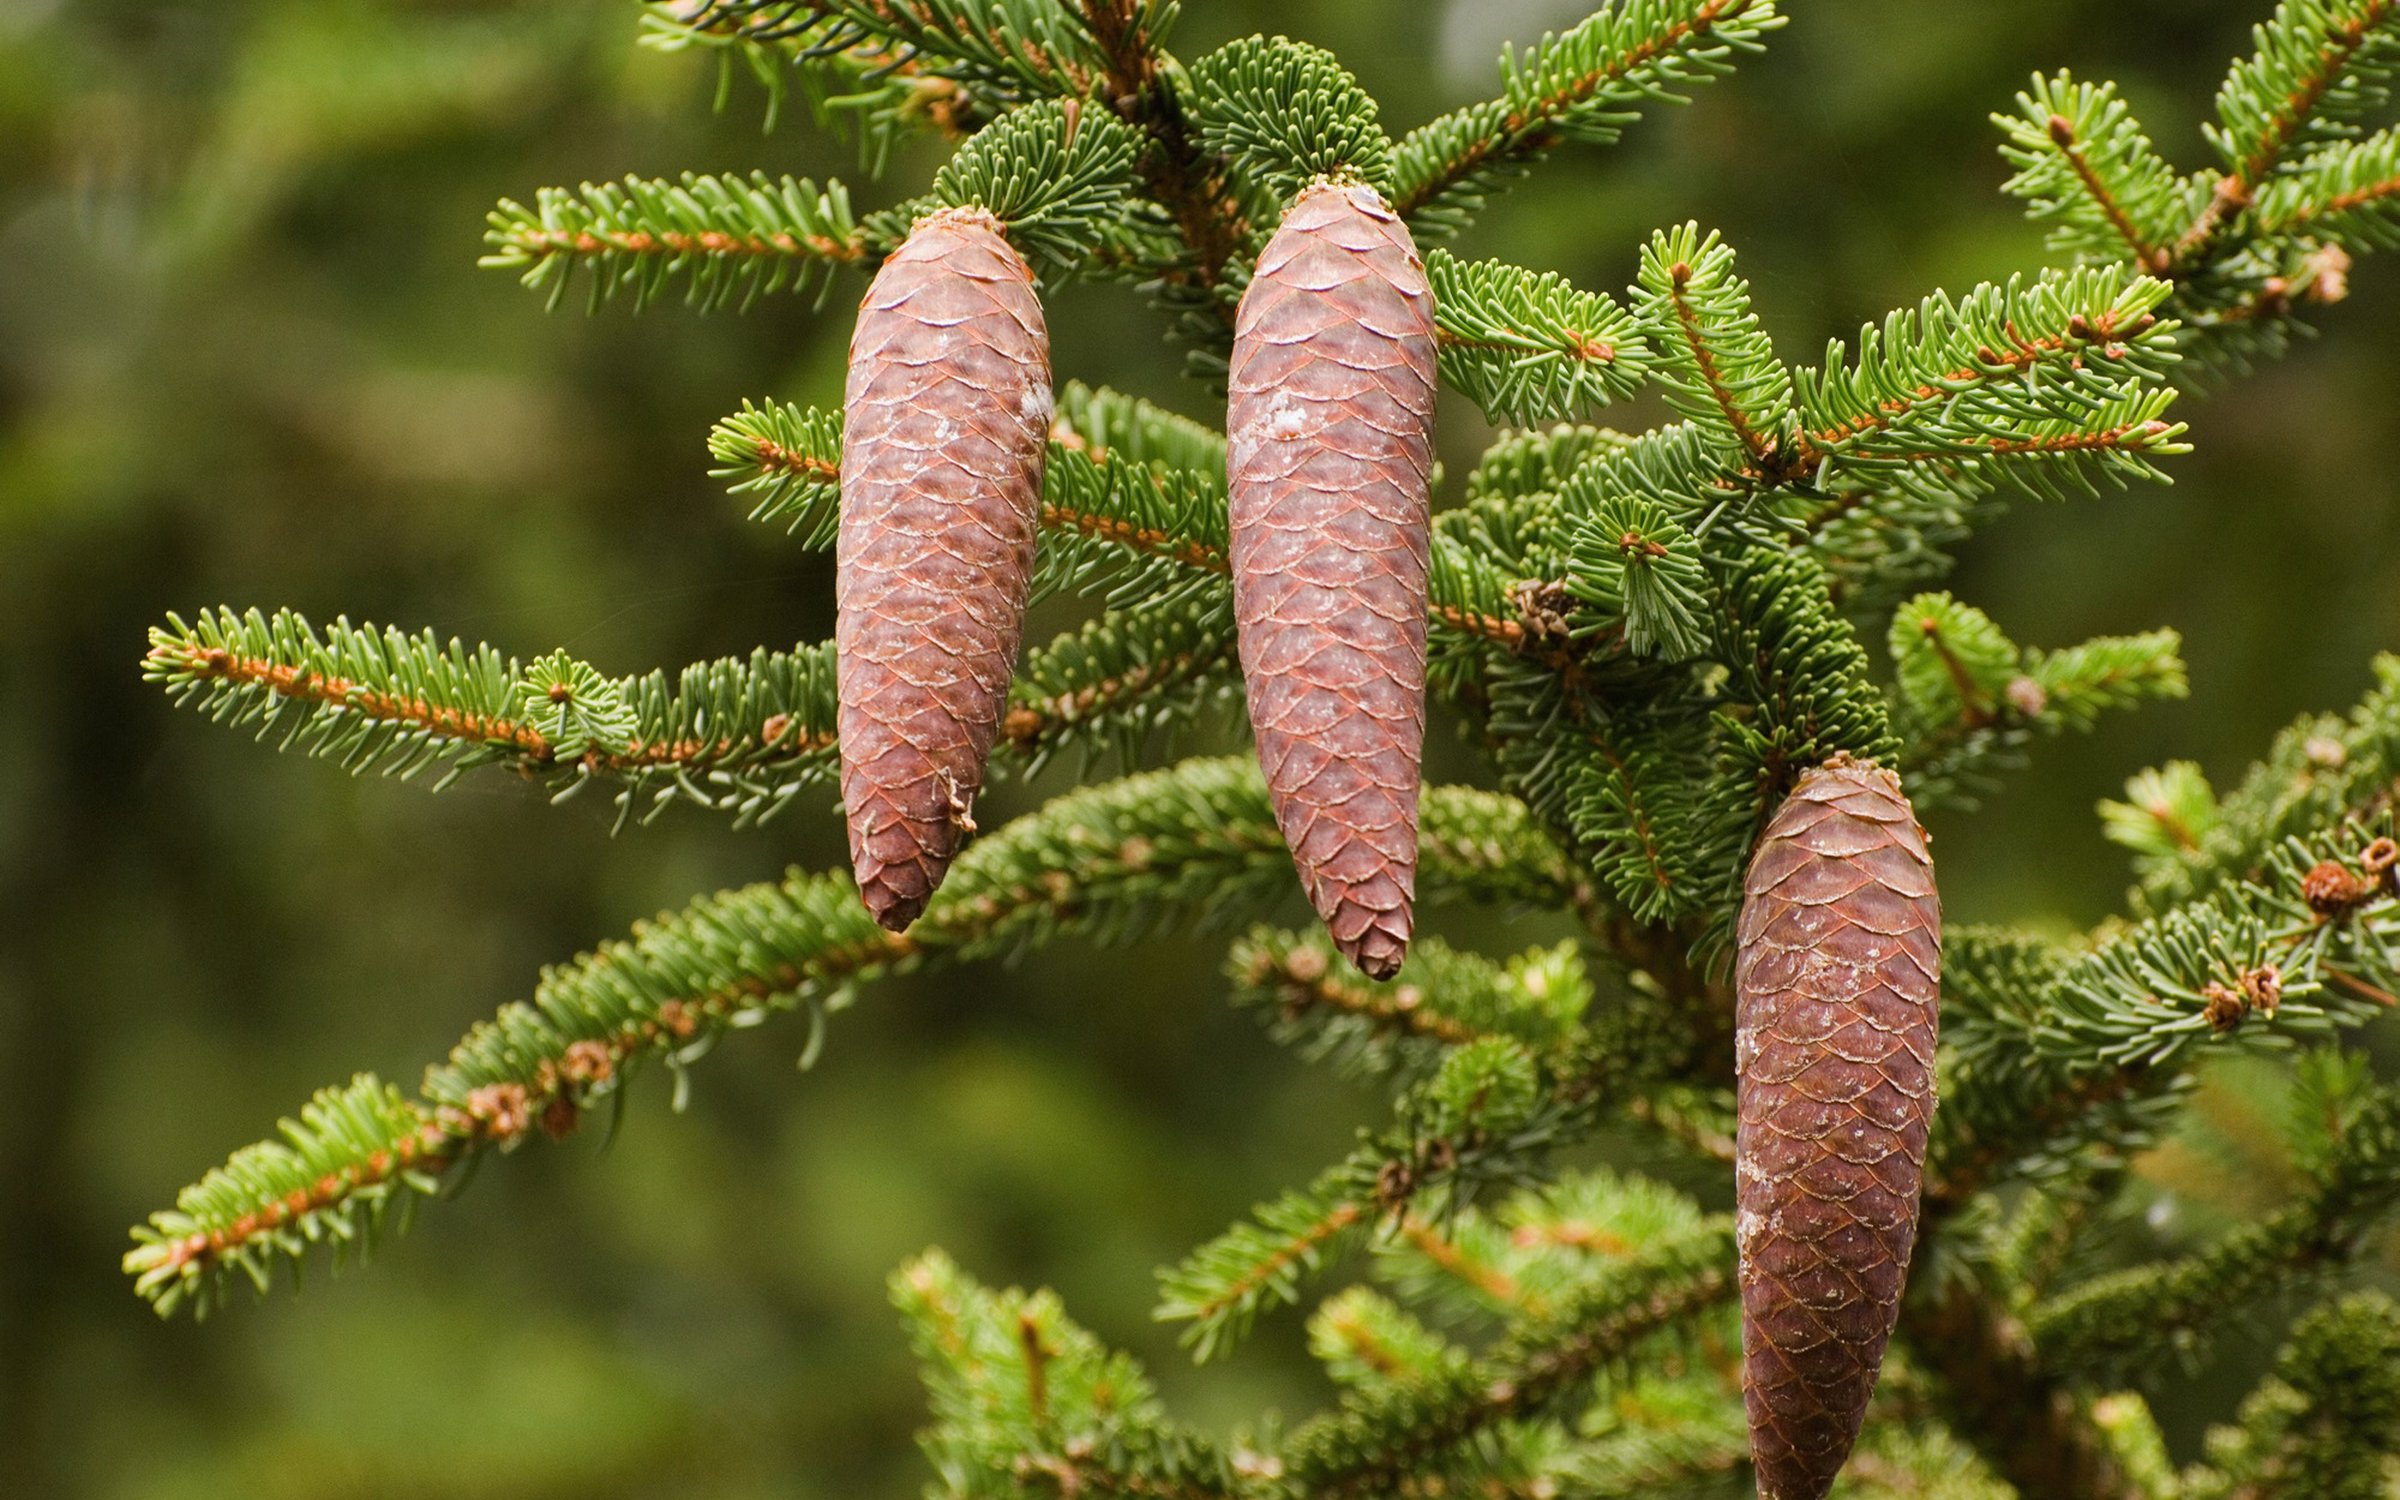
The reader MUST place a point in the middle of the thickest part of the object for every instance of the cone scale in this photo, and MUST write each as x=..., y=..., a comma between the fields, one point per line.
x=946, y=418
x=1837, y=974
x=1329, y=421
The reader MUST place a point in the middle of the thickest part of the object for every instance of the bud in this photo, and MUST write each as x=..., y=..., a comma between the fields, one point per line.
x=945, y=422
x=1837, y=974
x=1330, y=455
x=2331, y=890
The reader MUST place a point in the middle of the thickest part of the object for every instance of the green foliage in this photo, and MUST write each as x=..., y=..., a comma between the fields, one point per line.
x=1642, y=572
x=1282, y=114
x=2348, y=1145
x=860, y=89
x=2086, y=168
x=2320, y=772
x=1718, y=366
x=2325, y=1425
x=1585, y=84
x=1526, y=346
x=1403, y=1029
x=2348, y=192
x=1117, y=524
x=726, y=239
x=371, y=1141
x=2048, y=382
x=1027, y=1403
x=1648, y=637
x=1028, y=46
x=1055, y=174
x=2320, y=64
x=1969, y=700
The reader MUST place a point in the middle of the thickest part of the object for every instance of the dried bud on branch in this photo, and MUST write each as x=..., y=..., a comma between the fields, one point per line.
x=1837, y=975
x=1330, y=424
x=946, y=418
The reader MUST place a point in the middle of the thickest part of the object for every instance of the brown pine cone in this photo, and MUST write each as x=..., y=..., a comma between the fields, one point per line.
x=946, y=423
x=1837, y=975
x=1329, y=459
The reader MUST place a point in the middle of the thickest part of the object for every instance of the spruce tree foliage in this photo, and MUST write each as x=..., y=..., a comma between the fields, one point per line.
x=1649, y=636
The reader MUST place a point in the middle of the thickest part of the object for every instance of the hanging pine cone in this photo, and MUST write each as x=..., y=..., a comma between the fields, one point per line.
x=1837, y=975
x=946, y=420
x=1330, y=455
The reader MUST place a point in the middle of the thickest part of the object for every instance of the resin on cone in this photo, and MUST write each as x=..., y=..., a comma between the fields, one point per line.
x=1329, y=424
x=946, y=421
x=1837, y=973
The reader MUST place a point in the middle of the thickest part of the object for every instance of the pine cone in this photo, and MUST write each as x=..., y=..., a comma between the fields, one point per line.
x=1330, y=456
x=946, y=422
x=1837, y=976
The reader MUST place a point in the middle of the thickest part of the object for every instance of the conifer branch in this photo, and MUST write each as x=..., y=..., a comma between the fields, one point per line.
x=1970, y=700
x=747, y=737
x=1529, y=347
x=868, y=86
x=1026, y=1402
x=2084, y=164
x=2036, y=1434
x=1105, y=864
x=728, y=239
x=2128, y=1314
x=1585, y=84
x=2325, y=1423
x=1401, y=1028
x=1720, y=370
x=2052, y=1052
x=2319, y=64
x=2348, y=193
x=1132, y=502
x=1021, y=45
x=1377, y=1437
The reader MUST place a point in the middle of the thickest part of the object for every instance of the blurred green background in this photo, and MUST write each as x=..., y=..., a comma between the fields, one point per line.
x=246, y=357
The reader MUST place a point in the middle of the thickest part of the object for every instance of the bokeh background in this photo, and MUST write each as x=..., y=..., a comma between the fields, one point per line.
x=246, y=357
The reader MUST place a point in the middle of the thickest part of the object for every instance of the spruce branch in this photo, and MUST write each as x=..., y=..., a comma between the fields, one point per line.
x=2319, y=65
x=1642, y=573
x=1485, y=1110
x=2054, y=1053
x=1283, y=114
x=1363, y=1338
x=866, y=88
x=2319, y=772
x=1719, y=369
x=1401, y=1029
x=1107, y=864
x=748, y=736
x=2326, y=1424
x=1058, y=177
x=352, y=1162
x=1527, y=346
x=1118, y=524
x=2037, y=1434
x=2355, y=1181
x=1133, y=504
x=2027, y=368
x=2348, y=193
x=1969, y=700
x=1033, y=46
x=1378, y=1436
x=729, y=239
x=1026, y=1403
x=1585, y=84
x=2085, y=165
